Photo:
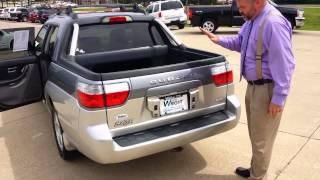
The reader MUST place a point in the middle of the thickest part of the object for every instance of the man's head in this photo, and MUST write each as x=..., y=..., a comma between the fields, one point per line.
x=249, y=9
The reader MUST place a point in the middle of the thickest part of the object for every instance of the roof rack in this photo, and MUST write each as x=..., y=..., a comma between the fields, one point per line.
x=73, y=11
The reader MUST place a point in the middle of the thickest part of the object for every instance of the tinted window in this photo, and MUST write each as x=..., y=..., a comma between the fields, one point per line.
x=52, y=40
x=40, y=39
x=8, y=38
x=102, y=38
x=156, y=8
x=170, y=5
x=11, y=9
x=157, y=37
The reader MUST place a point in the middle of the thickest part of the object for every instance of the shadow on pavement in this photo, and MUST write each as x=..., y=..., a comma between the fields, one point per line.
x=31, y=153
x=306, y=33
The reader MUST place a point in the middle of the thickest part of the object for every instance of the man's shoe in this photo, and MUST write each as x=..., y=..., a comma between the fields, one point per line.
x=243, y=172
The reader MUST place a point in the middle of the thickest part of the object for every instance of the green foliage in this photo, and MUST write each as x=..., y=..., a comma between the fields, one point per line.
x=297, y=1
x=312, y=21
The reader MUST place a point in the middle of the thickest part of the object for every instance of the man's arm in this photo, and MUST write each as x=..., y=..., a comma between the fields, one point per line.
x=233, y=42
x=280, y=59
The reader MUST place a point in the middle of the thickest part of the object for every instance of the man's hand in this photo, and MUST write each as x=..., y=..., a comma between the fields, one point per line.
x=211, y=36
x=274, y=110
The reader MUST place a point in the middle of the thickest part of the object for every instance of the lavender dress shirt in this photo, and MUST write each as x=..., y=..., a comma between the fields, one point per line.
x=277, y=57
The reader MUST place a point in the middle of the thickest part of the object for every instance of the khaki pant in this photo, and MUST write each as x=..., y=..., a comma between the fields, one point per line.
x=262, y=128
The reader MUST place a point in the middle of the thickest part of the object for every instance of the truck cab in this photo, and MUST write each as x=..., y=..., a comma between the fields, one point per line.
x=213, y=17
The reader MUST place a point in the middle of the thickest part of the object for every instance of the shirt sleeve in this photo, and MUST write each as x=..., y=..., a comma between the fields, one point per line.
x=280, y=58
x=232, y=42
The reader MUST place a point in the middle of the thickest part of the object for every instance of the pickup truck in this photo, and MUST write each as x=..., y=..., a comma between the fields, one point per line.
x=212, y=17
x=120, y=86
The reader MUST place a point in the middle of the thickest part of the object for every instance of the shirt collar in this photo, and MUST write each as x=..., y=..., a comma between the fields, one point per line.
x=263, y=12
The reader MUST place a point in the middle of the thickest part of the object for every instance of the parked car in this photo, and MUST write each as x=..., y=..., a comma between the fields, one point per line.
x=45, y=14
x=19, y=14
x=66, y=4
x=212, y=17
x=120, y=86
x=5, y=14
x=6, y=40
x=35, y=14
x=170, y=12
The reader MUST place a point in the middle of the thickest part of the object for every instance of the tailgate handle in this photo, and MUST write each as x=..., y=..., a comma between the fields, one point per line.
x=177, y=87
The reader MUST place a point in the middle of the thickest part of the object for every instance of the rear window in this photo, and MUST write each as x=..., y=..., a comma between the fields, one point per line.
x=149, y=9
x=171, y=5
x=103, y=37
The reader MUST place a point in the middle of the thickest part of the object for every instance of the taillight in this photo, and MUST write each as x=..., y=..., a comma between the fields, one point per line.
x=98, y=96
x=117, y=19
x=90, y=96
x=190, y=14
x=221, y=76
x=116, y=94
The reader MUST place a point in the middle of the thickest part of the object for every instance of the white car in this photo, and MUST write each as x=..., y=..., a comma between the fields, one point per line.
x=5, y=13
x=170, y=12
x=6, y=40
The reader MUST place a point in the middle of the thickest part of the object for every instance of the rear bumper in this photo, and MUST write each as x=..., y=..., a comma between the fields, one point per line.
x=299, y=22
x=97, y=143
x=14, y=18
x=181, y=20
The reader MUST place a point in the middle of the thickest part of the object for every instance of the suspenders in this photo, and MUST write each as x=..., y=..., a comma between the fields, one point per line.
x=260, y=44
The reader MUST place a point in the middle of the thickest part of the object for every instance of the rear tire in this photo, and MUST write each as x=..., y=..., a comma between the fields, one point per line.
x=11, y=45
x=181, y=26
x=210, y=25
x=24, y=19
x=292, y=24
x=58, y=135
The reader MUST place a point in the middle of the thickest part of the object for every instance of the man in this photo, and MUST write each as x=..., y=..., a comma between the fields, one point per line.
x=267, y=63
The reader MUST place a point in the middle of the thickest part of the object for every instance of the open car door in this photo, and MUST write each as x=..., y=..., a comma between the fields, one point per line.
x=20, y=75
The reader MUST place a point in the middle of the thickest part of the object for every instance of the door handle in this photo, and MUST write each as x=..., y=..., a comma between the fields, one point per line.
x=12, y=69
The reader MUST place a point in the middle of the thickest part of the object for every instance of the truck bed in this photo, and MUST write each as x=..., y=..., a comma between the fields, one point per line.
x=144, y=58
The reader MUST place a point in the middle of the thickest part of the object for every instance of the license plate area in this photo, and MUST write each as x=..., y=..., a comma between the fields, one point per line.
x=174, y=104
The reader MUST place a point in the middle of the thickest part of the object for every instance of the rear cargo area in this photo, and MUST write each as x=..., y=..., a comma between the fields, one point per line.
x=140, y=58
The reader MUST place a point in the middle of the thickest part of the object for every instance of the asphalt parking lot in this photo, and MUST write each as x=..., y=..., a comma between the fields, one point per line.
x=28, y=150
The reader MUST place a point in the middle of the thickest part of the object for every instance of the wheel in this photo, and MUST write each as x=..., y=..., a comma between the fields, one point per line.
x=24, y=19
x=181, y=26
x=11, y=45
x=209, y=25
x=58, y=135
x=292, y=22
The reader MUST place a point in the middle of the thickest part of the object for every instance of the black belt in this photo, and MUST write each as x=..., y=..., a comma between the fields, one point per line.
x=260, y=82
